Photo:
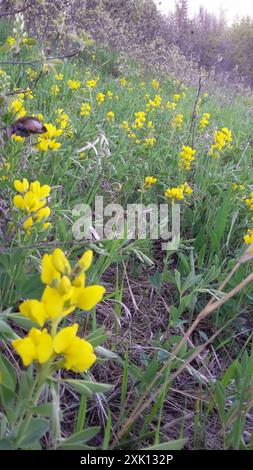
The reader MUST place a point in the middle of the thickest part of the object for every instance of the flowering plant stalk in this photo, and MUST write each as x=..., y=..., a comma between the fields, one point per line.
x=50, y=345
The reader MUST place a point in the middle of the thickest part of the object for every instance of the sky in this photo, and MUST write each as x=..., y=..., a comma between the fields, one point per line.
x=232, y=8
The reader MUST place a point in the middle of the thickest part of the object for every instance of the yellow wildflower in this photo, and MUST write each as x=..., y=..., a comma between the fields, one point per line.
x=177, y=121
x=58, y=76
x=149, y=181
x=78, y=353
x=85, y=109
x=155, y=84
x=186, y=157
x=55, y=90
x=100, y=98
x=177, y=193
x=74, y=84
x=110, y=116
x=36, y=346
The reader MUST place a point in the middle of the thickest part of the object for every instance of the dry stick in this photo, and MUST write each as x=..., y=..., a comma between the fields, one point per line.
x=194, y=112
x=31, y=88
x=36, y=61
x=14, y=12
x=210, y=308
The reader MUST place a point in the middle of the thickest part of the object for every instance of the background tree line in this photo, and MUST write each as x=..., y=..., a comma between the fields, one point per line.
x=137, y=28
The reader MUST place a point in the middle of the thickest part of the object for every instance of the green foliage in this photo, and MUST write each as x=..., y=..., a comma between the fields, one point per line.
x=136, y=353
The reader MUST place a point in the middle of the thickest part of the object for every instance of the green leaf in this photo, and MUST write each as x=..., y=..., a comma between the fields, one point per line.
x=185, y=302
x=79, y=386
x=7, y=374
x=156, y=280
x=87, y=388
x=170, y=445
x=44, y=409
x=75, y=447
x=35, y=431
x=22, y=321
x=220, y=223
x=81, y=437
x=177, y=276
x=6, y=444
x=6, y=330
x=97, y=337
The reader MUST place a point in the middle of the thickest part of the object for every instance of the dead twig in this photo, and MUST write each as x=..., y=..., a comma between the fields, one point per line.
x=194, y=113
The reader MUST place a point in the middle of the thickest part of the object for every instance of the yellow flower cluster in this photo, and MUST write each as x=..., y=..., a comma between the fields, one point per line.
x=177, y=97
x=40, y=346
x=178, y=193
x=65, y=290
x=55, y=90
x=204, y=120
x=58, y=77
x=17, y=107
x=74, y=84
x=248, y=238
x=249, y=202
x=222, y=140
x=64, y=122
x=110, y=116
x=149, y=182
x=238, y=187
x=155, y=84
x=155, y=103
x=91, y=83
x=123, y=82
x=186, y=157
x=149, y=141
x=140, y=118
x=139, y=123
x=85, y=109
x=177, y=122
x=11, y=41
x=4, y=167
x=100, y=98
x=17, y=138
x=170, y=105
x=31, y=73
x=62, y=118
x=32, y=201
x=47, y=141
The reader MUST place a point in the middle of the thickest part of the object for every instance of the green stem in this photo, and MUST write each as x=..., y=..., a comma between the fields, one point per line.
x=81, y=414
x=34, y=398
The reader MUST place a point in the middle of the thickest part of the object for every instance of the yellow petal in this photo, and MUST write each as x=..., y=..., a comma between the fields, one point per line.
x=79, y=281
x=80, y=356
x=90, y=296
x=28, y=223
x=64, y=338
x=18, y=202
x=45, y=347
x=60, y=261
x=48, y=271
x=34, y=310
x=43, y=213
x=65, y=285
x=45, y=190
x=21, y=186
x=86, y=260
x=26, y=349
x=53, y=302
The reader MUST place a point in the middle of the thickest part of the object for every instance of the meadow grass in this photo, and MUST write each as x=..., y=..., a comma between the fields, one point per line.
x=169, y=388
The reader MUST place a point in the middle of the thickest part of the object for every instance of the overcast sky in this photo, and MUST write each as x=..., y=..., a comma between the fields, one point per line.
x=232, y=8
